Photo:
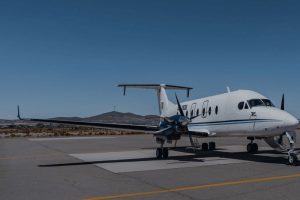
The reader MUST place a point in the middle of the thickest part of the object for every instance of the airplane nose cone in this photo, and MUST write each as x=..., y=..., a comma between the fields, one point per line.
x=291, y=121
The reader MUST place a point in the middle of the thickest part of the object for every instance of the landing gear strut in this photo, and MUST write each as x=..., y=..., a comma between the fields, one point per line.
x=292, y=156
x=252, y=147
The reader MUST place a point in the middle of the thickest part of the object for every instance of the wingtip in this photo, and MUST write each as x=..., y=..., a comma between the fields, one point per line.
x=282, y=107
x=19, y=116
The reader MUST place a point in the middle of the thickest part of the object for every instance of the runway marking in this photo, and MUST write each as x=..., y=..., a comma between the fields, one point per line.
x=214, y=185
x=70, y=138
x=144, y=160
x=165, y=164
x=31, y=156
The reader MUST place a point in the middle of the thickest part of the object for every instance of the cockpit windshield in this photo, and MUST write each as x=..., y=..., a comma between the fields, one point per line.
x=267, y=102
x=260, y=102
x=256, y=102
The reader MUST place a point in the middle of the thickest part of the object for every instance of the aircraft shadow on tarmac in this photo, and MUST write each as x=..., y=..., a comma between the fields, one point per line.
x=196, y=157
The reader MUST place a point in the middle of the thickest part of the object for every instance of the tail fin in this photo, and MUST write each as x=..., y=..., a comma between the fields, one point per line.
x=166, y=107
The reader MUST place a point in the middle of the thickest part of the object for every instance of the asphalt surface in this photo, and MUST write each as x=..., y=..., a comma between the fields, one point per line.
x=123, y=167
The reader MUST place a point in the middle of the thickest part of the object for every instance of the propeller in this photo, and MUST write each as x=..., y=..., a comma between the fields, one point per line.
x=181, y=111
x=176, y=123
x=179, y=106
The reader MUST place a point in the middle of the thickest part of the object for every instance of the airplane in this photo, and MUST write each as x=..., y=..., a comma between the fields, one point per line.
x=241, y=113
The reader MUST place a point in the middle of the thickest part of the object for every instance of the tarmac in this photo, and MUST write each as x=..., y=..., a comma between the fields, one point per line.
x=124, y=167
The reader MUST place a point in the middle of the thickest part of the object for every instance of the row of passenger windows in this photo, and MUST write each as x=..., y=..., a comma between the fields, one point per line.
x=203, y=113
x=254, y=103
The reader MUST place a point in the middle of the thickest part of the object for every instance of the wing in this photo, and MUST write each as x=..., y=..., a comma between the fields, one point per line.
x=131, y=127
x=200, y=132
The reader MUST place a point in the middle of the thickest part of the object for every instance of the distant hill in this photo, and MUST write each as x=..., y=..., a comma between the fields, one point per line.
x=5, y=121
x=117, y=117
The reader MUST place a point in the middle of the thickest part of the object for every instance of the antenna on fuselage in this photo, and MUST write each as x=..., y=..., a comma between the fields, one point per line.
x=228, y=89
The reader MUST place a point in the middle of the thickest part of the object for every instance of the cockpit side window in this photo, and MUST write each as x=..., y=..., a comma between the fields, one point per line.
x=246, y=106
x=241, y=105
x=255, y=103
x=267, y=102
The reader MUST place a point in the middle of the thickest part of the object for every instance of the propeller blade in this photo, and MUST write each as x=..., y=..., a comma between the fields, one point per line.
x=164, y=131
x=282, y=103
x=280, y=140
x=179, y=106
x=168, y=120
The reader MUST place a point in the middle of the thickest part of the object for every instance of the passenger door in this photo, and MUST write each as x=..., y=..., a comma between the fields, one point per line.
x=193, y=110
x=204, y=109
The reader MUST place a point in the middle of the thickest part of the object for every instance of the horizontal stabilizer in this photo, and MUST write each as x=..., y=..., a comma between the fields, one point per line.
x=155, y=87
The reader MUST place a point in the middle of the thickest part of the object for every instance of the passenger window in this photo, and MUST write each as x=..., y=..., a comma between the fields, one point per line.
x=203, y=112
x=246, y=106
x=192, y=113
x=216, y=110
x=187, y=113
x=209, y=111
x=197, y=112
x=241, y=105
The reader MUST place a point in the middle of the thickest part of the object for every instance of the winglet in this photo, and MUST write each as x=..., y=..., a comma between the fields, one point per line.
x=282, y=103
x=19, y=116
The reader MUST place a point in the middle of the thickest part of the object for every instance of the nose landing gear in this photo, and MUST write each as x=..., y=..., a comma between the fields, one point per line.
x=292, y=155
x=292, y=158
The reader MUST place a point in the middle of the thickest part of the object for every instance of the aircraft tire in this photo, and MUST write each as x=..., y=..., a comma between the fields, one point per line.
x=292, y=159
x=249, y=148
x=159, y=153
x=165, y=153
x=205, y=147
x=212, y=146
x=254, y=148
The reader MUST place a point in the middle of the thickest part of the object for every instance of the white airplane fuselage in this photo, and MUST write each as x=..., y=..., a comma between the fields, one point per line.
x=221, y=116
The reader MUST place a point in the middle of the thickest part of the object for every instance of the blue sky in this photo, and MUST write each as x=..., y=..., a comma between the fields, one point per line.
x=65, y=58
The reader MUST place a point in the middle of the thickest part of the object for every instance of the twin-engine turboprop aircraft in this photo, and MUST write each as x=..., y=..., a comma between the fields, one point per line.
x=241, y=113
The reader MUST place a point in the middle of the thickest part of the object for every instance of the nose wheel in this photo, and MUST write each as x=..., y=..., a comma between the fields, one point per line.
x=292, y=159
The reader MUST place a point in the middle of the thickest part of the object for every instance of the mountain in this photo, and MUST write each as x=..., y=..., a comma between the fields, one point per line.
x=117, y=117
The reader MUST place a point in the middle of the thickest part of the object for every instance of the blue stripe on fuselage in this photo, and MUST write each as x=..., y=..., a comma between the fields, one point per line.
x=230, y=122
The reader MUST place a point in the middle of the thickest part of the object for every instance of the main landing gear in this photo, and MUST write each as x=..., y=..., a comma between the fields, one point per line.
x=211, y=146
x=161, y=152
x=252, y=147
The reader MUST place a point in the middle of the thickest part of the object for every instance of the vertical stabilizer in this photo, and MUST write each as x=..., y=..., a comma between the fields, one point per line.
x=166, y=107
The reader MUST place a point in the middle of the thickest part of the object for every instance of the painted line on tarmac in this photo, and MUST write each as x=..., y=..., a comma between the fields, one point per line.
x=214, y=185
x=31, y=156
x=69, y=138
